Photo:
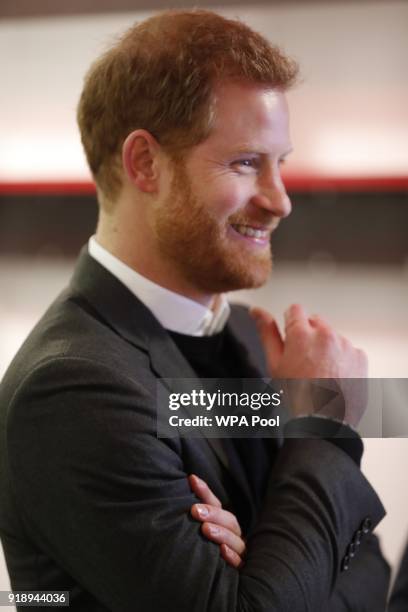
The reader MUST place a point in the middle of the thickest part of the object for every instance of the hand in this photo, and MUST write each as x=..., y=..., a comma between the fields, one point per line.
x=218, y=525
x=312, y=350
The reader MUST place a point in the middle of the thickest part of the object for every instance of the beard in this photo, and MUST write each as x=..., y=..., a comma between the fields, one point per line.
x=201, y=246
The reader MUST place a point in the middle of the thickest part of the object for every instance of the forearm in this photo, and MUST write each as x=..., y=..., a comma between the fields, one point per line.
x=316, y=501
x=365, y=586
x=126, y=497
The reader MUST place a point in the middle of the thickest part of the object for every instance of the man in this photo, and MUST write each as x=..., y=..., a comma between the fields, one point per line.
x=185, y=126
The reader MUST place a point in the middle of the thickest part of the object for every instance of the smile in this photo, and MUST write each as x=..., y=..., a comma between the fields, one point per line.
x=246, y=230
x=257, y=235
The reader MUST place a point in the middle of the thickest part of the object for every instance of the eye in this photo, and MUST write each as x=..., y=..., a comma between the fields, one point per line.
x=247, y=163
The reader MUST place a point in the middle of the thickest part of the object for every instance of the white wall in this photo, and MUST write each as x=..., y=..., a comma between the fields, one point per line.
x=349, y=115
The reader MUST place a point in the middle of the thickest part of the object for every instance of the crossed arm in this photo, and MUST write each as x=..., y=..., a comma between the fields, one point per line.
x=311, y=349
x=125, y=498
x=129, y=507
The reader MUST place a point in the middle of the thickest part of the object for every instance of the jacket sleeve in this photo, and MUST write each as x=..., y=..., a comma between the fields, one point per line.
x=110, y=502
x=364, y=586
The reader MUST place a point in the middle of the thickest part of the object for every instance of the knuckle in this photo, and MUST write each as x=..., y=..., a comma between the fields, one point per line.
x=318, y=322
x=237, y=528
x=326, y=332
x=213, y=531
x=297, y=331
x=241, y=547
x=231, y=519
x=327, y=337
x=217, y=515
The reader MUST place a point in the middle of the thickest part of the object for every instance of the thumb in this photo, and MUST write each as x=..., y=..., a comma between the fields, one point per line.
x=270, y=336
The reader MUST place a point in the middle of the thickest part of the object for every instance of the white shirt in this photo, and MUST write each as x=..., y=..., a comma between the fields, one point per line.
x=174, y=311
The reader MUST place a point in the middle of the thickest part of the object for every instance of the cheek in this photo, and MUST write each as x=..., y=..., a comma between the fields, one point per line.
x=228, y=197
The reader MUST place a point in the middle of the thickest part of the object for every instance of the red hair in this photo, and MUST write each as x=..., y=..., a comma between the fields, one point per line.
x=160, y=77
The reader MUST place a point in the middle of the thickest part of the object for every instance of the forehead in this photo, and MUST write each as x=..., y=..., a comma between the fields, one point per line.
x=248, y=115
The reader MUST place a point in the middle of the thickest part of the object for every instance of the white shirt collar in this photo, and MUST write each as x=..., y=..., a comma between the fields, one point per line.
x=174, y=311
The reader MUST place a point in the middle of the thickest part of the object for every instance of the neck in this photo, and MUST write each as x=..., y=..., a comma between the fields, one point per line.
x=147, y=262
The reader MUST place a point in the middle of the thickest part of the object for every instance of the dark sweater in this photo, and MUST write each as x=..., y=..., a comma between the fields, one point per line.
x=218, y=356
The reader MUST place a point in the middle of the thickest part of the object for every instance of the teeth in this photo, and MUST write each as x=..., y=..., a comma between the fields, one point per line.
x=249, y=231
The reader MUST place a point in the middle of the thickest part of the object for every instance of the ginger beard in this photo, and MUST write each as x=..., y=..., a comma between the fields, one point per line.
x=202, y=247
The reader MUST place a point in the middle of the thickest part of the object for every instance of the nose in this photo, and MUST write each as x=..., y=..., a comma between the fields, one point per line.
x=271, y=194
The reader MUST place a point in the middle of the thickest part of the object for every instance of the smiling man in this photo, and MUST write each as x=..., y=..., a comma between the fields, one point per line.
x=238, y=163
x=185, y=126
x=204, y=221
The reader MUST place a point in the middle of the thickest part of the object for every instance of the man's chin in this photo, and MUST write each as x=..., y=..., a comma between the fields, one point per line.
x=255, y=273
x=254, y=281
x=237, y=278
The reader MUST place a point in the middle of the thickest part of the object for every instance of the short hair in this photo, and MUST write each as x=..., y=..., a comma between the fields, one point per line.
x=160, y=77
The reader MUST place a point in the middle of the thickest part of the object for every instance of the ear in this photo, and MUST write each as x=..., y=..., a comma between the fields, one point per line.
x=139, y=157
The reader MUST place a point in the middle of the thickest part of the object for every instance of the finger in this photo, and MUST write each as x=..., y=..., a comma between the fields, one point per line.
x=230, y=556
x=270, y=336
x=220, y=517
x=220, y=535
x=316, y=321
x=295, y=315
x=203, y=491
x=260, y=315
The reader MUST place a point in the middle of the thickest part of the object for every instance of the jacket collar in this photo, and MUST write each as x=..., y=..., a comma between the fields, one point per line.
x=134, y=322
x=118, y=307
x=175, y=312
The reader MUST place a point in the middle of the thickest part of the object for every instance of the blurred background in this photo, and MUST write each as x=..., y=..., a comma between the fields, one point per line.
x=342, y=253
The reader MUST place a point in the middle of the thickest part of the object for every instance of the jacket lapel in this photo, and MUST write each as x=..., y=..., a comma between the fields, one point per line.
x=133, y=321
x=118, y=308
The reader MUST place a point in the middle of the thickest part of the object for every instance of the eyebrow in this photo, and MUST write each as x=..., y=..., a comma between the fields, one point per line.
x=251, y=150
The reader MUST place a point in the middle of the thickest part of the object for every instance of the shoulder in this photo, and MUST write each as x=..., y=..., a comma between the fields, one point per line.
x=71, y=347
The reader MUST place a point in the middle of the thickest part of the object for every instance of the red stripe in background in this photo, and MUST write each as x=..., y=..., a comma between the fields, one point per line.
x=294, y=183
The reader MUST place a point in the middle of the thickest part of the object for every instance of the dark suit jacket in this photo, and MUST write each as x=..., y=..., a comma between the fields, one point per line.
x=92, y=501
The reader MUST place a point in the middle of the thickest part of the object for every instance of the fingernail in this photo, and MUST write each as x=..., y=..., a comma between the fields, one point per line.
x=202, y=511
x=214, y=530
